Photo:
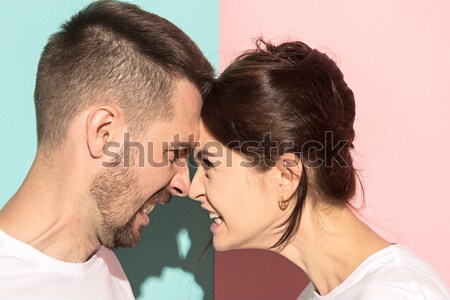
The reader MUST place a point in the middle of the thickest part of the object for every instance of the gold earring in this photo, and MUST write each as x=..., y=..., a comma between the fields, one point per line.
x=283, y=204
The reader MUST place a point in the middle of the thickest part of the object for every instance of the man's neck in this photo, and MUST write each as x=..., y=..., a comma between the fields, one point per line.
x=45, y=213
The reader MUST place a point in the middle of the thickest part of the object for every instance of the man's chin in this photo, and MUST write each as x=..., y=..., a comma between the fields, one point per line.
x=127, y=239
x=126, y=236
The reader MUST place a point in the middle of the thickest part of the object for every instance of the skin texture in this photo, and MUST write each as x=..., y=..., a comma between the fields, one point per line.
x=238, y=194
x=330, y=241
x=69, y=204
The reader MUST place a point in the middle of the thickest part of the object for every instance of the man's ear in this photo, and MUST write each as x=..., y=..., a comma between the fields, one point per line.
x=290, y=171
x=104, y=124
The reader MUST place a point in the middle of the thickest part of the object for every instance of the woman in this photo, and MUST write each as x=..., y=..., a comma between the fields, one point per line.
x=276, y=173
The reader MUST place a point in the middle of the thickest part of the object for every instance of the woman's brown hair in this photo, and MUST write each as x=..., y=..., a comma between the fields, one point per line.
x=298, y=98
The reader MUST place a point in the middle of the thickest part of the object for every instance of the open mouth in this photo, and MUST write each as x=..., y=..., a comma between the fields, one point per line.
x=216, y=218
x=162, y=197
x=148, y=208
x=144, y=211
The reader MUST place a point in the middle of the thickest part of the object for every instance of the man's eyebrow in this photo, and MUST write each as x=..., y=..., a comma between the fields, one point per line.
x=187, y=145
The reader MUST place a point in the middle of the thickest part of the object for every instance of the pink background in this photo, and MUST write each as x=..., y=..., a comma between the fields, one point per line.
x=395, y=57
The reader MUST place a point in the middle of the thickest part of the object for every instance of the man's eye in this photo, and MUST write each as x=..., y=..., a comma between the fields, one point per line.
x=179, y=153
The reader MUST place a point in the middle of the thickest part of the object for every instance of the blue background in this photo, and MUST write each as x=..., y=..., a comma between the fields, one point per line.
x=166, y=265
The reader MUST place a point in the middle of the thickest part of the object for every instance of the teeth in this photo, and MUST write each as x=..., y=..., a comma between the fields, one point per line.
x=216, y=218
x=148, y=209
x=213, y=215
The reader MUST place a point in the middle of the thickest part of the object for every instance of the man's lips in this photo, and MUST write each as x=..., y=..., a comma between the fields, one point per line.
x=162, y=197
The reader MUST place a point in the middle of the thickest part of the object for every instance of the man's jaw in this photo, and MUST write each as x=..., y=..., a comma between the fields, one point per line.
x=129, y=235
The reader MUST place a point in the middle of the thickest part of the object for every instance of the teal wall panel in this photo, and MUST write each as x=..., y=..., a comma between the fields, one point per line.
x=167, y=263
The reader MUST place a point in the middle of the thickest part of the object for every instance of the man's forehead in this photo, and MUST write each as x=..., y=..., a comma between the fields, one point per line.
x=172, y=134
x=187, y=102
x=189, y=143
x=204, y=138
x=203, y=134
x=184, y=125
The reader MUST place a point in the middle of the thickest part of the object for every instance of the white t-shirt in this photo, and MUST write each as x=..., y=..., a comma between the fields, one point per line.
x=26, y=273
x=393, y=273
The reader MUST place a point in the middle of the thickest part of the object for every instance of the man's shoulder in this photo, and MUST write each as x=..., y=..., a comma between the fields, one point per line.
x=107, y=255
x=108, y=258
x=69, y=281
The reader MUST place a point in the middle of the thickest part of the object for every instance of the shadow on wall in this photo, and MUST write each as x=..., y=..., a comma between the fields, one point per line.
x=166, y=265
x=257, y=275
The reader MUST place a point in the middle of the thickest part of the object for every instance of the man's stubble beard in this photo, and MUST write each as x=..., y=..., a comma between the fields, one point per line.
x=114, y=191
x=117, y=196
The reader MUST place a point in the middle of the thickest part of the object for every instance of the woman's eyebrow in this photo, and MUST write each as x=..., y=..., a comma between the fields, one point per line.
x=202, y=153
x=199, y=155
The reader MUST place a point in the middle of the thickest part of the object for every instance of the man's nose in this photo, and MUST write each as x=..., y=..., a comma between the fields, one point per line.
x=180, y=183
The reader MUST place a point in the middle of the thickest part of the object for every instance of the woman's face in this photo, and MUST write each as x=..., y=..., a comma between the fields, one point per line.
x=242, y=201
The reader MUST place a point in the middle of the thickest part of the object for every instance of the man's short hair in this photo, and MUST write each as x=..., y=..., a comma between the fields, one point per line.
x=114, y=52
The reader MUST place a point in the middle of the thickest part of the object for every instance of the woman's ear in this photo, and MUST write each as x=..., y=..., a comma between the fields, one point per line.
x=104, y=124
x=290, y=170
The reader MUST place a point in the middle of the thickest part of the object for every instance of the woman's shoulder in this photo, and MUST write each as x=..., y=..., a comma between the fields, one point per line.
x=392, y=273
x=403, y=265
x=398, y=273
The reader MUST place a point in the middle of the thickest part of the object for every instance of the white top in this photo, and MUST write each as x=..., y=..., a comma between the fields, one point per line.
x=393, y=273
x=26, y=273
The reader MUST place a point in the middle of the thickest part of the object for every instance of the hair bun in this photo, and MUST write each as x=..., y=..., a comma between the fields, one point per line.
x=292, y=52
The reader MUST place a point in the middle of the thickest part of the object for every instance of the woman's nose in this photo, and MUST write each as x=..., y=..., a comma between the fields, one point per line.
x=197, y=191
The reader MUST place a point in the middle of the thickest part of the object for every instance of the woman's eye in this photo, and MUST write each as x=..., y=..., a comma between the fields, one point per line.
x=207, y=164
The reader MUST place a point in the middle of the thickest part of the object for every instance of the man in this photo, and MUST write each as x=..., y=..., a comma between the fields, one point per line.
x=114, y=86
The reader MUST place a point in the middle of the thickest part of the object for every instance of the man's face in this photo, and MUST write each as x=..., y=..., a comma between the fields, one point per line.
x=158, y=169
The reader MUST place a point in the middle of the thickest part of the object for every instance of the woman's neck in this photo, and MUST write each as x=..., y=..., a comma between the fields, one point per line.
x=330, y=243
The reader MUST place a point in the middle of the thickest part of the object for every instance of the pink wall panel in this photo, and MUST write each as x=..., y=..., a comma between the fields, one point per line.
x=396, y=58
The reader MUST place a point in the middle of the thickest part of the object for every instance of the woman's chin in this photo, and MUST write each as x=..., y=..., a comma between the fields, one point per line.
x=220, y=245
